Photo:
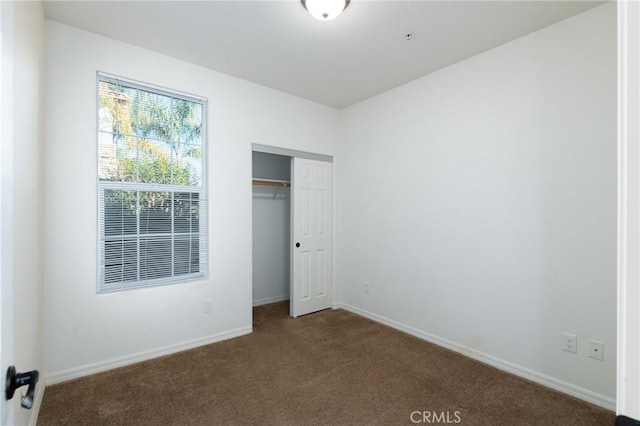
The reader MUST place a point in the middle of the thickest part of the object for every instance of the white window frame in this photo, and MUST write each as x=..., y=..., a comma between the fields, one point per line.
x=101, y=185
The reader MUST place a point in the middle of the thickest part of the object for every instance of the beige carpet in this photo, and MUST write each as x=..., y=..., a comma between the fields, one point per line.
x=328, y=368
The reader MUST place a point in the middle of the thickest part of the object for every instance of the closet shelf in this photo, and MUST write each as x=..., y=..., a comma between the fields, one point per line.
x=272, y=182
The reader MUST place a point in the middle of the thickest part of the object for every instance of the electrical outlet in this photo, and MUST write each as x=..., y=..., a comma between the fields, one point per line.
x=596, y=350
x=367, y=284
x=208, y=306
x=569, y=342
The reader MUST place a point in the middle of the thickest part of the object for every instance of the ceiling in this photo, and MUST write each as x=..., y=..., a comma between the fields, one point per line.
x=338, y=63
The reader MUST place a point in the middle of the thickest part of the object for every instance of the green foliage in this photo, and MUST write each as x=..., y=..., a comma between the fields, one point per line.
x=169, y=119
x=157, y=137
x=150, y=169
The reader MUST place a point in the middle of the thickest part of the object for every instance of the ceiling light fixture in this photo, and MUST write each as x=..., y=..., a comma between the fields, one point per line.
x=325, y=10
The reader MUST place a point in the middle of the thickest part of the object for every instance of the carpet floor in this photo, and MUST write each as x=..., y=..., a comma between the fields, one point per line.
x=327, y=368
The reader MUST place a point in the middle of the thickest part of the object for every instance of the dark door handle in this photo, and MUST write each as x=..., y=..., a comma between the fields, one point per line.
x=297, y=244
x=16, y=380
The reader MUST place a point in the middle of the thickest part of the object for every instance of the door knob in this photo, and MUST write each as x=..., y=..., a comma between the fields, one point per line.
x=297, y=244
x=16, y=380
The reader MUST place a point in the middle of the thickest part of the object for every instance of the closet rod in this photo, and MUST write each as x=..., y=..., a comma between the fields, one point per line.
x=272, y=182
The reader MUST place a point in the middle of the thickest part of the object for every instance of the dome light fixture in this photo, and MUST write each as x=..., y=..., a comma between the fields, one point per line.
x=325, y=10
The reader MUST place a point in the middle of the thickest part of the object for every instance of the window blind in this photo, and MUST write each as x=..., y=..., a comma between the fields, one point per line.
x=152, y=205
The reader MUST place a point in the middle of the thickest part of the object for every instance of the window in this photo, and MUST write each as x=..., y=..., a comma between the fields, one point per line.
x=151, y=186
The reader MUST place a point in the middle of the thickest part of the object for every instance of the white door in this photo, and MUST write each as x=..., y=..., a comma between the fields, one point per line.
x=311, y=224
x=2, y=110
x=6, y=215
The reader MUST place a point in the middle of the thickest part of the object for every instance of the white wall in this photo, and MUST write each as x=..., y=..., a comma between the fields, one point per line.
x=271, y=230
x=480, y=202
x=22, y=232
x=87, y=332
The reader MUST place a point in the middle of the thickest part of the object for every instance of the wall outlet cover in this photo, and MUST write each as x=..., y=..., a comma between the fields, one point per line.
x=596, y=350
x=569, y=342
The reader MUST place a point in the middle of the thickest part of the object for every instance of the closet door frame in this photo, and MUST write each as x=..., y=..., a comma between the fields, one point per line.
x=309, y=156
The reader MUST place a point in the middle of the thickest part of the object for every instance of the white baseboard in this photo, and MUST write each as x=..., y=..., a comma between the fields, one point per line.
x=267, y=300
x=37, y=402
x=109, y=364
x=543, y=379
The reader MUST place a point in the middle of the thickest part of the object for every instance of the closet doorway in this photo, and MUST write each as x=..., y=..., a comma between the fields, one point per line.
x=292, y=229
x=271, y=228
